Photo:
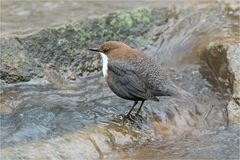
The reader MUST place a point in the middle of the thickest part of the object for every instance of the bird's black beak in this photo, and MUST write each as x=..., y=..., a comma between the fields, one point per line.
x=94, y=49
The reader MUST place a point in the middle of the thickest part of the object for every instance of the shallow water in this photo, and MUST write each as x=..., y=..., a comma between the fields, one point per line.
x=209, y=144
x=41, y=119
x=48, y=112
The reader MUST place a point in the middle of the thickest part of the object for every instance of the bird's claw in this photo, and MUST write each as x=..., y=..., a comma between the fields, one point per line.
x=132, y=118
x=127, y=117
x=139, y=117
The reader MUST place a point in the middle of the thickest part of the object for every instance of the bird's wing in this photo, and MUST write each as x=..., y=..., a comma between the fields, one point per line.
x=124, y=78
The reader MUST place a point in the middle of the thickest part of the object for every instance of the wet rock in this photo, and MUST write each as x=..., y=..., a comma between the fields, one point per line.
x=98, y=141
x=167, y=120
x=65, y=47
x=224, y=60
x=93, y=144
x=234, y=110
x=84, y=116
x=216, y=58
x=234, y=67
x=16, y=64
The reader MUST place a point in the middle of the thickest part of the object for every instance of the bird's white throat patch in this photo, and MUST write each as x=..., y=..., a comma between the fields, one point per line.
x=105, y=63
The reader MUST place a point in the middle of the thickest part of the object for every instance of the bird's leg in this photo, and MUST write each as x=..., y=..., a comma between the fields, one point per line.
x=129, y=113
x=139, y=109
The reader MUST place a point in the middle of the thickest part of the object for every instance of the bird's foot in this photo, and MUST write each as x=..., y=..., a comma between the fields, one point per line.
x=139, y=117
x=128, y=117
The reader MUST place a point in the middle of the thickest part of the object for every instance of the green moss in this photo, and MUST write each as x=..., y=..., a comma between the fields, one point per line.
x=117, y=26
x=101, y=23
x=141, y=15
x=122, y=19
x=75, y=34
x=62, y=41
x=61, y=29
x=120, y=25
x=129, y=19
x=76, y=26
x=83, y=36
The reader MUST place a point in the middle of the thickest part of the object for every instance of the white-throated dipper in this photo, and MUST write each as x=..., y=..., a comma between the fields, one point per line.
x=133, y=75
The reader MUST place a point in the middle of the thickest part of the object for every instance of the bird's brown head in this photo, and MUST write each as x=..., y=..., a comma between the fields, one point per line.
x=111, y=48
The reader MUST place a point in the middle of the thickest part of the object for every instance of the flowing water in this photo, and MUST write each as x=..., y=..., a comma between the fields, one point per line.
x=80, y=120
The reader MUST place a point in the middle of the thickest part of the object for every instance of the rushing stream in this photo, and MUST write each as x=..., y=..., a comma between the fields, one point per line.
x=81, y=119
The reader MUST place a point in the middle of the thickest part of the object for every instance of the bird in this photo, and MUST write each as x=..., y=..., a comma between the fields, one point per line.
x=133, y=75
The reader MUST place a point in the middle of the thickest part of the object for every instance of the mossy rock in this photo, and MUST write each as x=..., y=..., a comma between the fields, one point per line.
x=64, y=48
x=16, y=66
